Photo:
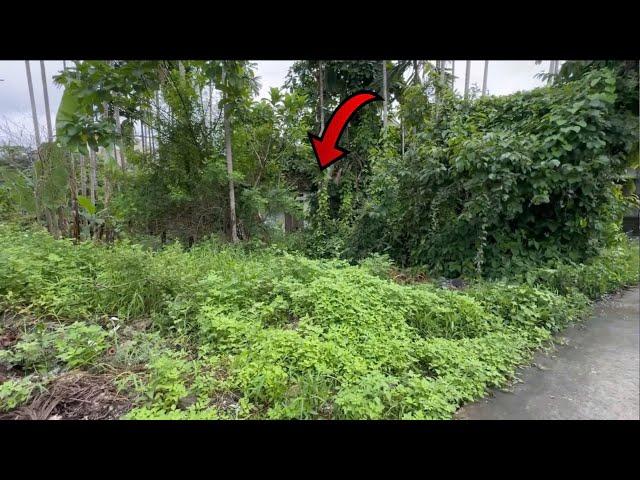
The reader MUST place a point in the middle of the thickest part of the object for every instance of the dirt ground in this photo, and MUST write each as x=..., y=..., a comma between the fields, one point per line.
x=75, y=396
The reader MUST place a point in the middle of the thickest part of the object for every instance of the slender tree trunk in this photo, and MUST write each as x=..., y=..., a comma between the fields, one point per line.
x=232, y=194
x=93, y=167
x=149, y=134
x=484, y=77
x=158, y=116
x=120, y=141
x=385, y=94
x=45, y=92
x=153, y=134
x=453, y=74
x=466, y=79
x=83, y=177
x=321, y=95
x=107, y=191
x=36, y=129
x=51, y=224
x=210, y=104
x=34, y=113
x=416, y=73
x=402, y=135
x=63, y=224
x=440, y=66
x=142, y=137
x=74, y=201
x=552, y=71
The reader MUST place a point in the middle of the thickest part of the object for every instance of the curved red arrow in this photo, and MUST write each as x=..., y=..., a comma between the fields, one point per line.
x=326, y=147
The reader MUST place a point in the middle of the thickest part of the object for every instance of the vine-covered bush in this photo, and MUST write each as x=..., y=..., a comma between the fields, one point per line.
x=502, y=182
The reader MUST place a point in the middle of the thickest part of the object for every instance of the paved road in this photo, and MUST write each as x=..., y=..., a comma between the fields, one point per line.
x=595, y=375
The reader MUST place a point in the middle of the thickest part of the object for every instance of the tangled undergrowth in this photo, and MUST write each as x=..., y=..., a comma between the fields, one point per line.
x=221, y=333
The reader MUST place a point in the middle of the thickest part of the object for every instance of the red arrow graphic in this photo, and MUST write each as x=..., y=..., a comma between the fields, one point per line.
x=326, y=147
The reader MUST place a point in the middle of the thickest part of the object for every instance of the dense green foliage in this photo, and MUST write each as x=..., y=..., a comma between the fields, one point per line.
x=344, y=313
x=267, y=334
x=497, y=184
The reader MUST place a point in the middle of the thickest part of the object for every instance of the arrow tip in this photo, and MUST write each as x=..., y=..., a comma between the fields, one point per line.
x=326, y=153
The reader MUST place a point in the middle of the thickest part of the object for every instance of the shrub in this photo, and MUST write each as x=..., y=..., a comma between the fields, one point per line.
x=501, y=183
x=615, y=267
x=526, y=306
x=80, y=344
x=16, y=392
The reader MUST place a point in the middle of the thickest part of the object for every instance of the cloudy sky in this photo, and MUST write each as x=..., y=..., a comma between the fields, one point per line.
x=15, y=111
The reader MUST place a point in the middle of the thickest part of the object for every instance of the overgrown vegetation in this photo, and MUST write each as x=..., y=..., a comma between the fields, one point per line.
x=155, y=281
x=268, y=334
x=499, y=184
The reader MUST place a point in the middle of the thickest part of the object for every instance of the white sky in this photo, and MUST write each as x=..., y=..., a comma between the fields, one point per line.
x=504, y=77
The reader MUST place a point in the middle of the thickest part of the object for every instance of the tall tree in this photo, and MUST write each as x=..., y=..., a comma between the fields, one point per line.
x=73, y=186
x=321, y=94
x=453, y=74
x=229, y=155
x=385, y=94
x=93, y=176
x=416, y=73
x=142, y=136
x=552, y=71
x=233, y=223
x=83, y=176
x=466, y=79
x=119, y=144
x=34, y=113
x=45, y=92
x=484, y=77
x=237, y=82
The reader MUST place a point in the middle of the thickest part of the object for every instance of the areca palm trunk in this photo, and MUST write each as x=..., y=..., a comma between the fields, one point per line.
x=552, y=70
x=402, y=135
x=34, y=113
x=233, y=222
x=484, y=78
x=210, y=104
x=158, y=115
x=229, y=154
x=83, y=177
x=321, y=94
x=142, y=138
x=74, y=201
x=119, y=142
x=466, y=79
x=93, y=183
x=45, y=92
x=385, y=94
x=151, y=135
x=36, y=130
x=453, y=74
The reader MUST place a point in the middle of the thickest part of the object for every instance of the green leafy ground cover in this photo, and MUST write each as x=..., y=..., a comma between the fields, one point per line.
x=219, y=332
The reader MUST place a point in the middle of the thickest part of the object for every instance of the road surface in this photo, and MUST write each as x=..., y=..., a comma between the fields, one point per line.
x=593, y=375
